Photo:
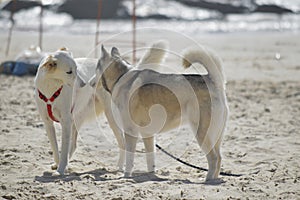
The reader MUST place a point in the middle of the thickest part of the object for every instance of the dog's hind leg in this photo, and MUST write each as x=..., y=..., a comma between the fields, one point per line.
x=214, y=164
x=130, y=146
x=73, y=145
x=150, y=154
x=53, y=141
x=217, y=154
x=210, y=145
x=213, y=138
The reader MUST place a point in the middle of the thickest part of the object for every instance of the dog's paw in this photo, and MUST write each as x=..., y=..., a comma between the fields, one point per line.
x=216, y=181
x=57, y=174
x=54, y=166
x=151, y=173
x=120, y=169
x=61, y=172
x=127, y=174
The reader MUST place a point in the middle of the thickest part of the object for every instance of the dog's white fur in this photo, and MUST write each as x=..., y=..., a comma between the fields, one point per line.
x=148, y=102
x=76, y=96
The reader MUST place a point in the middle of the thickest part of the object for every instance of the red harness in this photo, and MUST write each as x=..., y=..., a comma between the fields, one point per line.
x=49, y=105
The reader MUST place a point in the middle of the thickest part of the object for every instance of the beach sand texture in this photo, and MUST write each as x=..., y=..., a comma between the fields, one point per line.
x=262, y=140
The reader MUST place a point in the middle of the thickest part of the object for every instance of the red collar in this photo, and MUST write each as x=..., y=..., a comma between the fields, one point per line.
x=51, y=99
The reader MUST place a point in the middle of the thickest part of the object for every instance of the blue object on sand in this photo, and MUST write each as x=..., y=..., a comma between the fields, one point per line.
x=26, y=63
x=7, y=67
x=18, y=68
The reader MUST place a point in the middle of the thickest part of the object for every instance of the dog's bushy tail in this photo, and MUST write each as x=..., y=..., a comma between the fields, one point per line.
x=209, y=60
x=155, y=54
x=216, y=85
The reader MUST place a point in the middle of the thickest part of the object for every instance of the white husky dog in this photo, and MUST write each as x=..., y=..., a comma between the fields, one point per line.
x=62, y=96
x=148, y=102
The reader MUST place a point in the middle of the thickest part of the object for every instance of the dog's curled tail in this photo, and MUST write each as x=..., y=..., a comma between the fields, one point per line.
x=155, y=54
x=209, y=60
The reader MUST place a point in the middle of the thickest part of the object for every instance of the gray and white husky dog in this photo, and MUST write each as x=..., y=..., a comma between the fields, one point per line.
x=148, y=102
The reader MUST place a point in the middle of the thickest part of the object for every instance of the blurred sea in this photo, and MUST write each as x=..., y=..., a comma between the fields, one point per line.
x=173, y=15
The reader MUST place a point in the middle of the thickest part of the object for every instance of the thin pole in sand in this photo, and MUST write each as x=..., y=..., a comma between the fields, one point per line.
x=41, y=27
x=97, y=27
x=133, y=32
x=11, y=27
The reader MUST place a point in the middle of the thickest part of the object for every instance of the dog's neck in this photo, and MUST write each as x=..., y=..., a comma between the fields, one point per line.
x=47, y=85
x=113, y=73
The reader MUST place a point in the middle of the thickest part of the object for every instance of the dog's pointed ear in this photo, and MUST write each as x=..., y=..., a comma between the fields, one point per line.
x=66, y=50
x=63, y=49
x=115, y=52
x=79, y=82
x=98, y=68
x=104, y=53
x=93, y=81
x=49, y=62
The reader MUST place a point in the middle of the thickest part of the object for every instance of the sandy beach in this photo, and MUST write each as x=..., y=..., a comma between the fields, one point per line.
x=262, y=140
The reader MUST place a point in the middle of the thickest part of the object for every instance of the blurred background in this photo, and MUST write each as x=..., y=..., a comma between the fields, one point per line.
x=28, y=28
x=188, y=16
x=258, y=41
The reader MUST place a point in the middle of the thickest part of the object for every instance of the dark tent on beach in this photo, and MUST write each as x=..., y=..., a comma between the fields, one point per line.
x=17, y=5
x=76, y=7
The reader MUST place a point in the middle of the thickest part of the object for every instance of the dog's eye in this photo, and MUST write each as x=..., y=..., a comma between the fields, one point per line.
x=69, y=72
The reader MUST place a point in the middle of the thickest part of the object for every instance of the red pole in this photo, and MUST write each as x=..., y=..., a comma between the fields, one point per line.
x=41, y=28
x=97, y=27
x=133, y=32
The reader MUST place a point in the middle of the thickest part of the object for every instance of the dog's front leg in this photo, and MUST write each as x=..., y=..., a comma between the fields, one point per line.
x=53, y=141
x=118, y=134
x=65, y=145
x=120, y=139
x=130, y=145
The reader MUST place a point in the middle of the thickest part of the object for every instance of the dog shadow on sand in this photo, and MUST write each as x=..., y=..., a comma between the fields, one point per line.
x=103, y=174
